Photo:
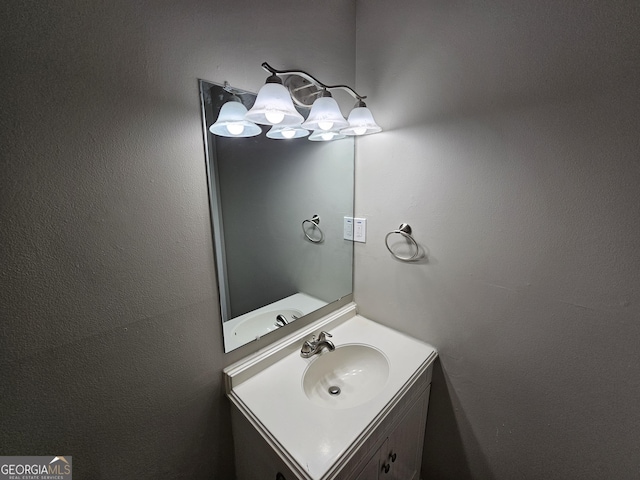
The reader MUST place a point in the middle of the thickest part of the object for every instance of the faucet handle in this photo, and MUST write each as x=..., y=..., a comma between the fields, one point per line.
x=323, y=336
x=307, y=348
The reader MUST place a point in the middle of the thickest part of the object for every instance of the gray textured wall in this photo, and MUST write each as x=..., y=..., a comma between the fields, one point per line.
x=111, y=347
x=513, y=154
x=512, y=149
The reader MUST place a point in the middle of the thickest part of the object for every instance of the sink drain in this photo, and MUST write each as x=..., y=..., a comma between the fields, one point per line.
x=334, y=390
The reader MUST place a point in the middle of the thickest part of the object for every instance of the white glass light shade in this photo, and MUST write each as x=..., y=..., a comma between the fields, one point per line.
x=325, y=115
x=280, y=132
x=361, y=122
x=231, y=122
x=324, y=136
x=274, y=107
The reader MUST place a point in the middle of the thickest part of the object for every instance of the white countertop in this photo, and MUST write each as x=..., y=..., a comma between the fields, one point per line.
x=313, y=436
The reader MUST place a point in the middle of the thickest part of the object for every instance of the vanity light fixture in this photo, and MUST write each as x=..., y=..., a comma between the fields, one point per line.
x=326, y=136
x=231, y=120
x=274, y=106
x=325, y=114
x=232, y=123
x=361, y=121
x=283, y=132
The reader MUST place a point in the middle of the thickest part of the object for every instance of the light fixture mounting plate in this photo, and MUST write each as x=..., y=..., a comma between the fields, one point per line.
x=303, y=92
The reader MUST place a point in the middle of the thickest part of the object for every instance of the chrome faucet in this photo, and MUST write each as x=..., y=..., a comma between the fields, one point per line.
x=310, y=348
x=281, y=321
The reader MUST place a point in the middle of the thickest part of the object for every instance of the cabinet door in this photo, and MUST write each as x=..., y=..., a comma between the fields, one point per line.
x=403, y=452
x=371, y=470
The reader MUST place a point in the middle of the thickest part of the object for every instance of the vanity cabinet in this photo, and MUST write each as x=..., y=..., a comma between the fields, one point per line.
x=400, y=456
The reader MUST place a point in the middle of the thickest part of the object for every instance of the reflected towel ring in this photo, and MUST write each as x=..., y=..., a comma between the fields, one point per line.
x=315, y=221
x=405, y=231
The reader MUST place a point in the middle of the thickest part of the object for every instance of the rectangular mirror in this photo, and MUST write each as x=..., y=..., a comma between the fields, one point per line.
x=277, y=214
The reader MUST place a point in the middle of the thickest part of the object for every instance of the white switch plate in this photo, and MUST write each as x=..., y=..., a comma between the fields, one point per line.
x=360, y=230
x=348, y=228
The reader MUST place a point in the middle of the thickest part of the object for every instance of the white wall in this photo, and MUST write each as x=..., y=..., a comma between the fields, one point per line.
x=511, y=147
x=111, y=347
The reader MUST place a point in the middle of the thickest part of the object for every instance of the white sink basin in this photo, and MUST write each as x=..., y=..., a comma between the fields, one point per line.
x=262, y=323
x=347, y=377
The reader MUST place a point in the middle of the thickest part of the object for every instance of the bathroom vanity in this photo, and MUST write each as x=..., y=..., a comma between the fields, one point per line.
x=339, y=397
x=353, y=412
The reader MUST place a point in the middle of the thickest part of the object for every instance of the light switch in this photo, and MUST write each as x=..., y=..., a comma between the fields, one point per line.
x=360, y=230
x=348, y=228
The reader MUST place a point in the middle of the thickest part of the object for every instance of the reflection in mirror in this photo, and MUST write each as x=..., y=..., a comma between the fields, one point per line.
x=277, y=213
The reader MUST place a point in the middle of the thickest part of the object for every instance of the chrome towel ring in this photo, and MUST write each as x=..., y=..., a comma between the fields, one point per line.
x=315, y=222
x=405, y=231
